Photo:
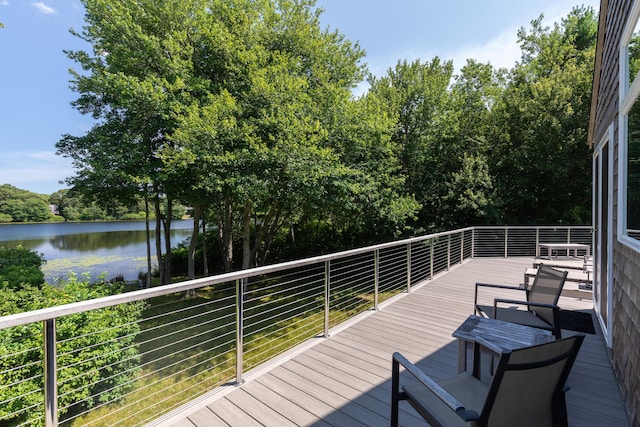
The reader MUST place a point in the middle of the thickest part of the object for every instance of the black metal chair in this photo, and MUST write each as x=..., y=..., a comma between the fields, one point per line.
x=541, y=301
x=527, y=389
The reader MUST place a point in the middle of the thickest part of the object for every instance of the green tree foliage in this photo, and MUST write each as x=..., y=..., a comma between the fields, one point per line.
x=440, y=132
x=243, y=110
x=97, y=355
x=18, y=205
x=541, y=160
x=19, y=267
x=229, y=107
x=137, y=79
x=73, y=205
x=367, y=201
x=470, y=197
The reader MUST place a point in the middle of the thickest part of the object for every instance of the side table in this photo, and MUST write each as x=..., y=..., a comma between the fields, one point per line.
x=495, y=337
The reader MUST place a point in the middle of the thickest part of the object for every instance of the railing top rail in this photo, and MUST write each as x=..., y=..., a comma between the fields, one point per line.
x=109, y=301
x=540, y=227
x=82, y=306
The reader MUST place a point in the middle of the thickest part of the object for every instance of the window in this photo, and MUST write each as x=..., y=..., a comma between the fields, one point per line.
x=629, y=144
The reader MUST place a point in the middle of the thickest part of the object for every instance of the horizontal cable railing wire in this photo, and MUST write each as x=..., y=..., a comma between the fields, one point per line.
x=352, y=286
x=392, y=271
x=22, y=375
x=505, y=241
x=280, y=311
x=583, y=235
x=421, y=261
x=456, y=249
x=521, y=242
x=554, y=235
x=489, y=242
x=441, y=254
x=467, y=244
x=179, y=341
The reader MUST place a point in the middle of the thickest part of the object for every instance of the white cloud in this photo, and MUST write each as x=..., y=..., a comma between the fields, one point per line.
x=501, y=51
x=38, y=171
x=43, y=155
x=4, y=3
x=43, y=8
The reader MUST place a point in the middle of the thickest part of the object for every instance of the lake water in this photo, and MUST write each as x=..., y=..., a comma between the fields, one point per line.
x=115, y=248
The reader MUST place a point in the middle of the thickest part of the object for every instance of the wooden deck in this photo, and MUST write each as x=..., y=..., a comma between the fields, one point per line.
x=345, y=380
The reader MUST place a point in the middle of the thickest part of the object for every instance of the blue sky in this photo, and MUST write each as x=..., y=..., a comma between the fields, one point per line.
x=35, y=97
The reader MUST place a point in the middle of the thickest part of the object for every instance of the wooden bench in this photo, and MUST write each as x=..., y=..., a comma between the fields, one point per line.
x=550, y=247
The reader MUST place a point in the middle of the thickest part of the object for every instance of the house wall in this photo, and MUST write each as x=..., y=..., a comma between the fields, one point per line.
x=625, y=353
x=626, y=328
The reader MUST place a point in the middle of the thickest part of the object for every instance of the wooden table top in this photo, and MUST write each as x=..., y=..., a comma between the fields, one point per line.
x=500, y=336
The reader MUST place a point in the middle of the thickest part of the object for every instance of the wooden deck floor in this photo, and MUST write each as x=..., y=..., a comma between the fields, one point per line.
x=345, y=380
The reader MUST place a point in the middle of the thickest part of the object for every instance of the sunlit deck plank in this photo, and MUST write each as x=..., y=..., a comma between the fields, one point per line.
x=345, y=379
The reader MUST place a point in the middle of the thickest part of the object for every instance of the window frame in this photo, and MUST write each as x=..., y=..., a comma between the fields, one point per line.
x=629, y=94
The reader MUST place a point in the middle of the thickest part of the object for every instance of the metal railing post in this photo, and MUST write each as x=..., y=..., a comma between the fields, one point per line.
x=473, y=242
x=537, y=242
x=239, y=328
x=376, y=278
x=506, y=242
x=568, y=235
x=50, y=374
x=462, y=248
x=408, y=267
x=327, y=292
x=448, y=252
x=431, y=261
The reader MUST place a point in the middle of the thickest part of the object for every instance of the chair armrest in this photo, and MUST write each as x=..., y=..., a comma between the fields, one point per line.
x=489, y=285
x=437, y=390
x=527, y=303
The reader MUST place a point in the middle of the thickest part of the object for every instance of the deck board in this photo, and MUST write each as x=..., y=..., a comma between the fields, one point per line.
x=345, y=380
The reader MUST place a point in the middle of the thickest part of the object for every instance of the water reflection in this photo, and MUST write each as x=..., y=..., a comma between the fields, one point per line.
x=94, y=241
x=114, y=248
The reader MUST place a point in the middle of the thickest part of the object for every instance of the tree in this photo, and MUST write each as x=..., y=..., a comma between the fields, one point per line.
x=258, y=142
x=440, y=132
x=22, y=205
x=541, y=160
x=470, y=197
x=136, y=81
x=366, y=198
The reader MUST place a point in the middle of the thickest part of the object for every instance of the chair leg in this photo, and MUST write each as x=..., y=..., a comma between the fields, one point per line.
x=395, y=392
x=560, y=411
x=476, y=360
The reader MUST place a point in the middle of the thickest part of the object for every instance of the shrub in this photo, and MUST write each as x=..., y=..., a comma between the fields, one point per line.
x=98, y=360
x=20, y=266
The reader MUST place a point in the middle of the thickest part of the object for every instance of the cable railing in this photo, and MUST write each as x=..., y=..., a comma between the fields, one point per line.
x=131, y=358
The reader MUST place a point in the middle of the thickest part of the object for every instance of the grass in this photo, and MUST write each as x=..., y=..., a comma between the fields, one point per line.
x=187, y=343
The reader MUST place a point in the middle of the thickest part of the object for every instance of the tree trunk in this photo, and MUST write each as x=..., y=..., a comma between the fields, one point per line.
x=246, y=237
x=156, y=203
x=205, y=263
x=227, y=235
x=147, y=283
x=193, y=244
x=264, y=234
x=167, y=242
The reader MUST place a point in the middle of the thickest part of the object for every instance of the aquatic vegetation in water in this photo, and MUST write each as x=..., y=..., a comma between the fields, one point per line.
x=93, y=264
